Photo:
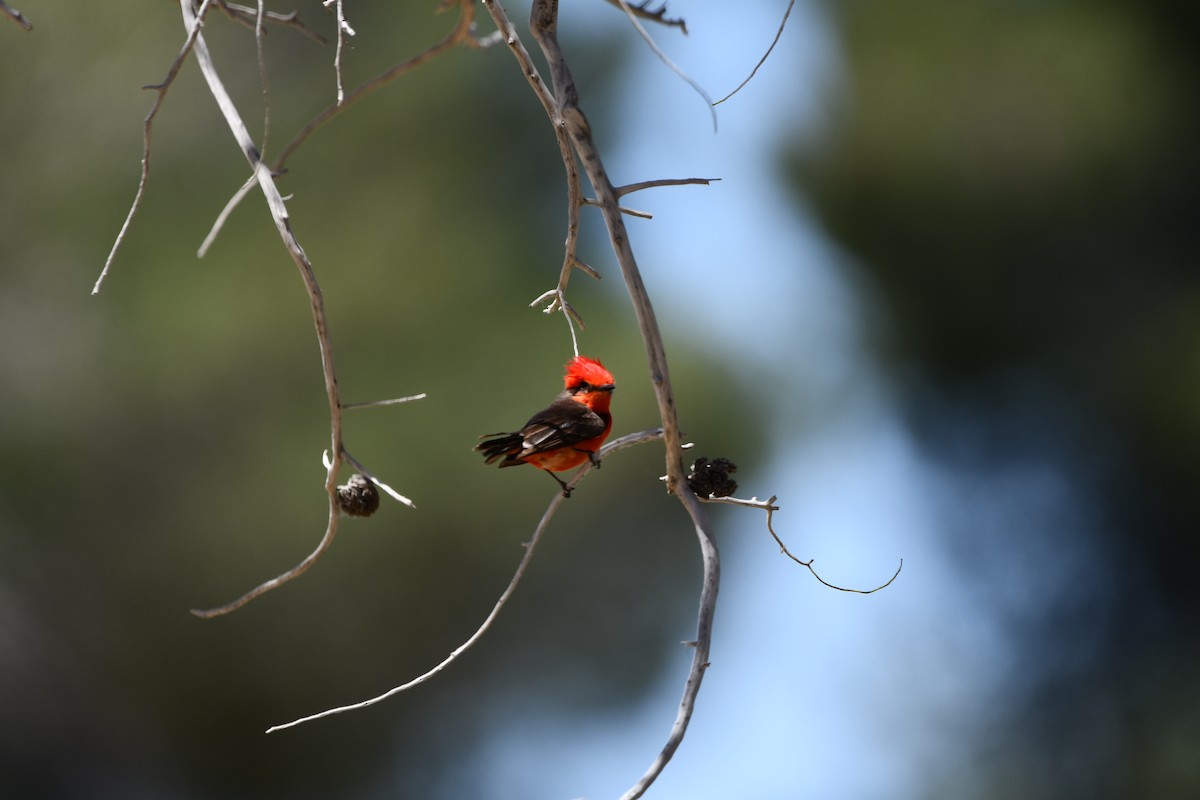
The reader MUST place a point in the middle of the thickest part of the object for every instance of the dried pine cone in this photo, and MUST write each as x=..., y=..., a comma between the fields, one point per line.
x=359, y=497
x=711, y=478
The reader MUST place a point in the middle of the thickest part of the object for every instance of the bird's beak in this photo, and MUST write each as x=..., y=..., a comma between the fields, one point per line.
x=608, y=387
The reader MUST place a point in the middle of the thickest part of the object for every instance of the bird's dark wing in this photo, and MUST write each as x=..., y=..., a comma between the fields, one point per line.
x=561, y=424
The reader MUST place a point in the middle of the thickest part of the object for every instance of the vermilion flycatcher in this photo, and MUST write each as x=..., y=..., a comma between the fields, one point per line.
x=565, y=433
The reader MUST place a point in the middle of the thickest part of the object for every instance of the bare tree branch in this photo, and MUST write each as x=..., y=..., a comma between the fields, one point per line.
x=259, y=34
x=352, y=461
x=579, y=153
x=279, y=214
x=702, y=645
x=612, y=447
x=343, y=30
x=621, y=191
x=264, y=178
x=15, y=16
x=219, y=222
x=770, y=507
x=249, y=17
x=147, y=137
x=462, y=33
x=658, y=15
x=575, y=198
x=392, y=402
x=630, y=212
x=671, y=65
x=566, y=115
x=766, y=55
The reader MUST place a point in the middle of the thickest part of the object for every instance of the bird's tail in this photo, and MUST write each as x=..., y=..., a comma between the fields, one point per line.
x=501, y=445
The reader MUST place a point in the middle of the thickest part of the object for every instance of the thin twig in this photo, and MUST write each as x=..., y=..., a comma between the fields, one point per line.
x=766, y=55
x=753, y=502
x=219, y=222
x=630, y=188
x=461, y=33
x=236, y=12
x=608, y=449
x=631, y=212
x=15, y=16
x=584, y=268
x=343, y=30
x=571, y=317
x=671, y=65
x=244, y=15
x=462, y=648
x=147, y=137
x=259, y=35
x=393, y=401
x=783, y=549
x=575, y=199
x=352, y=461
x=770, y=507
x=658, y=15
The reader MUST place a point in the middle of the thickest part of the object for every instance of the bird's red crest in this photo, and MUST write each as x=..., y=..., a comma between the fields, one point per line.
x=582, y=369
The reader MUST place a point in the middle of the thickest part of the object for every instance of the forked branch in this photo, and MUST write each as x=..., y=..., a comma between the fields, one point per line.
x=631, y=11
x=279, y=214
x=770, y=507
x=567, y=116
x=266, y=182
x=463, y=33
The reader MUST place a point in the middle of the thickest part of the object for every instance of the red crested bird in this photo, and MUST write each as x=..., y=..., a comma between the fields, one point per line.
x=565, y=433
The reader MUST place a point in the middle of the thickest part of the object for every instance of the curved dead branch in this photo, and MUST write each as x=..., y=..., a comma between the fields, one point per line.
x=608, y=449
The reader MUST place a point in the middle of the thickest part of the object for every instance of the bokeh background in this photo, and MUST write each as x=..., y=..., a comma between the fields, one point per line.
x=944, y=303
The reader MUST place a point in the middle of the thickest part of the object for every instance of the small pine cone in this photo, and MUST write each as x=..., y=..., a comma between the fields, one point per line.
x=711, y=478
x=359, y=497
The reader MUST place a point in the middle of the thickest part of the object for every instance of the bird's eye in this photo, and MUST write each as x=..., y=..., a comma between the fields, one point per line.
x=583, y=386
